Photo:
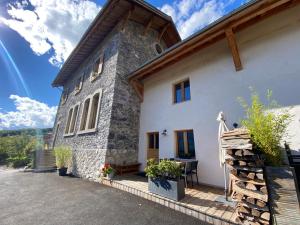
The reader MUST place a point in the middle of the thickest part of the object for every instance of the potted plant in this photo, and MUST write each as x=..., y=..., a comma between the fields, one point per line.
x=63, y=156
x=164, y=179
x=108, y=171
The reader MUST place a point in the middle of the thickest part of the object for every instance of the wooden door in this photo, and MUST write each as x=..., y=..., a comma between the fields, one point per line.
x=153, y=146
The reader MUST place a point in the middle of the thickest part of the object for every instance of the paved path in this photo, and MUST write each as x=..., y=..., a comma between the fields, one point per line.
x=46, y=198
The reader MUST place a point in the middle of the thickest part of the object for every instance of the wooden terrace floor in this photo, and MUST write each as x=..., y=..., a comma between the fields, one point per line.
x=201, y=201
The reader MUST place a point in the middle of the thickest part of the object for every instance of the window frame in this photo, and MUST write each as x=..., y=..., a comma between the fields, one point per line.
x=78, y=85
x=64, y=96
x=90, y=97
x=183, y=96
x=96, y=73
x=156, y=136
x=185, y=140
x=73, y=118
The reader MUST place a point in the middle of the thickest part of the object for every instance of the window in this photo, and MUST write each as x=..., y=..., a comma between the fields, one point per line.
x=185, y=144
x=97, y=68
x=158, y=48
x=84, y=116
x=153, y=140
x=64, y=97
x=68, y=121
x=182, y=92
x=71, y=120
x=78, y=85
x=90, y=113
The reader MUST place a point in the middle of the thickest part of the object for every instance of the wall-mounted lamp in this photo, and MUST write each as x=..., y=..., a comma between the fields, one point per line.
x=235, y=125
x=165, y=132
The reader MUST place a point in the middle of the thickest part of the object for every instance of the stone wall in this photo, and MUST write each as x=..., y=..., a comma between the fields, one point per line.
x=116, y=138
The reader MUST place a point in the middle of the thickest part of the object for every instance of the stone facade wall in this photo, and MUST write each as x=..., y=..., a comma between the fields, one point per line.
x=116, y=138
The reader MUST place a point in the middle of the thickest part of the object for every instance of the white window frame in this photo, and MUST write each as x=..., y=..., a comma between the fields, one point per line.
x=64, y=96
x=67, y=130
x=78, y=85
x=90, y=97
x=97, y=67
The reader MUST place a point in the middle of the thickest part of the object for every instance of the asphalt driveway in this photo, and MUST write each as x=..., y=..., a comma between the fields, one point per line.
x=46, y=198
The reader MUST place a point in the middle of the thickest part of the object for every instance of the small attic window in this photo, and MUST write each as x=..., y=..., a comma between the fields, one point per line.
x=78, y=85
x=97, y=67
x=158, y=48
x=64, y=97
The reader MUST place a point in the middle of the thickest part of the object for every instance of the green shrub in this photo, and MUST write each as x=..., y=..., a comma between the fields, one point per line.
x=164, y=169
x=63, y=156
x=19, y=161
x=266, y=127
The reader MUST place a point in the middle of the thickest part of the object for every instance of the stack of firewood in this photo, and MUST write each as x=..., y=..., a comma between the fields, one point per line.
x=247, y=182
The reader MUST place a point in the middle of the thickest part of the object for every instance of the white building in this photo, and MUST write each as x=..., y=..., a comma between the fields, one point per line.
x=257, y=46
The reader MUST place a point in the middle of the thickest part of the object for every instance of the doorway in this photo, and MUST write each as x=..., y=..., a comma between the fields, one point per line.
x=153, y=146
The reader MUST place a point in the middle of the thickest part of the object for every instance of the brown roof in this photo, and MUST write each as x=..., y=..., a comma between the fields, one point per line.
x=111, y=13
x=239, y=19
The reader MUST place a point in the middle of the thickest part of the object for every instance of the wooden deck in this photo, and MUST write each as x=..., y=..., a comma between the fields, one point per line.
x=202, y=202
x=283, y=195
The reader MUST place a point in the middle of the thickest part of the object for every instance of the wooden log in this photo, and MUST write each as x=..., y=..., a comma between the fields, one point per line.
x=229, y=162
x=250, y=193
x=246, y=179
x=265, y=216
x=262, y=221
x=259, y=176
x=264, y=190
x=233, y=171
x=242, y=163
x=260, y=203
x=251, y=175
x=250, y=200
x=251, y=186
x=253, y=206
x=255, y=212
x=239, y=153
x=243, y=209
x=249, y=169
x=230, y=151
x=242, y=136
x=247, y=152
x=237, y=146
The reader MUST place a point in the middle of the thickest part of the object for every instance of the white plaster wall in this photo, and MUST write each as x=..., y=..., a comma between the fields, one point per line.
x=270, y=53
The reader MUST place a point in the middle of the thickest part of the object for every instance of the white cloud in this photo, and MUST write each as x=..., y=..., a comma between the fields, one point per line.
x=192, y=15
x=29, y=114
x=51, y=26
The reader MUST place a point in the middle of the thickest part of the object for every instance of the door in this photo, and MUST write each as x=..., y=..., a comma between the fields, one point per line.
x=153, y=146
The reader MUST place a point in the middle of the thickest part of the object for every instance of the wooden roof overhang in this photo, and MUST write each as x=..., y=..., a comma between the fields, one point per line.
x=113, y=12
x=225, y=27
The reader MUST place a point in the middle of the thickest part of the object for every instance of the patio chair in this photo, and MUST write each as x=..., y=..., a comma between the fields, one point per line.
x=187, y=171
x=194, y=166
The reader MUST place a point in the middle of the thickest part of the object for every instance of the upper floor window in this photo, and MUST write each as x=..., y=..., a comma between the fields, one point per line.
x=181, y=91
x=64, y=97
x=158, y=48
x=97, y=67
x=185, y=144
x=90, y=112
x=78, y=85
x=71, y=120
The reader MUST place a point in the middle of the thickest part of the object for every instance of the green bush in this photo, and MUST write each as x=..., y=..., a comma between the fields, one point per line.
x=164, y=169
x=63, y=156
x=19, y=161
x=266, y=127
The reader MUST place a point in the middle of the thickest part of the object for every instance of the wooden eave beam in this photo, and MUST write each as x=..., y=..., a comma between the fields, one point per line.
x=139, y=88
x=162, y=32
x=234, y=49
x=148, y=25
x=127, y=17
x=236, y=22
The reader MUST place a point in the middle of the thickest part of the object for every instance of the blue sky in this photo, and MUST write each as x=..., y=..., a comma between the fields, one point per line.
x=36, y=36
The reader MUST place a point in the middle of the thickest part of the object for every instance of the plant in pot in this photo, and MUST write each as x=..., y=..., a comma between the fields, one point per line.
x=63, y=156
x=164, y=178
x=108, y=171
x=267, y=124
